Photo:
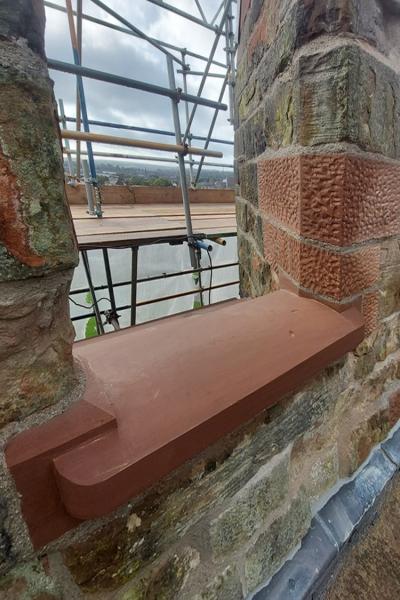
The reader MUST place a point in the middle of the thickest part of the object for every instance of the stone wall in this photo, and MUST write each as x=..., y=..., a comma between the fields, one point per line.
x=37, y=246
x=222, y=524
x=318, y=149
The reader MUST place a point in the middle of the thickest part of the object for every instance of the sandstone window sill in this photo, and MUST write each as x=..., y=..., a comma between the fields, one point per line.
x=159, y=394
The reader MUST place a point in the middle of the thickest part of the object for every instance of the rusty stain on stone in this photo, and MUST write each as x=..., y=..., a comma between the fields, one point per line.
x=13, y=231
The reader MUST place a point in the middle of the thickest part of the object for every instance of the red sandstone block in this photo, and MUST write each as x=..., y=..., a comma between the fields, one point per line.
x=282, y=251
x=321, y=198
x=337, y=198
x=331, y=274
x=258, y=36
x=279, y=190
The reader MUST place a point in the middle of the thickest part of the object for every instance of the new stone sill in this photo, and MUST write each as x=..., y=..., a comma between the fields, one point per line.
x=159, y=394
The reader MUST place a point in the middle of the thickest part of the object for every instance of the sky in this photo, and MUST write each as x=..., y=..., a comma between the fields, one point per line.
x=121, y=54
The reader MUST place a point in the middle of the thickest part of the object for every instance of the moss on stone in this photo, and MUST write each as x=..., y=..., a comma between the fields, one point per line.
x=276, y=542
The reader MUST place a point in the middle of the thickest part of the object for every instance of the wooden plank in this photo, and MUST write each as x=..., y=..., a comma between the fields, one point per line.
x=138, y=224
x=121, y=213
x=133, y=228
x=109, y=226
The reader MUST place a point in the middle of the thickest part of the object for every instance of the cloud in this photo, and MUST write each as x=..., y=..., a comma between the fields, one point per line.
x=121, y=54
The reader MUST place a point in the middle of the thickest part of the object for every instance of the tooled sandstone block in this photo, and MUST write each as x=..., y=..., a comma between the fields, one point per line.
x=340, y=94
x=347, y=94
x=335, y=198
x=336, y=275
x=288, y=26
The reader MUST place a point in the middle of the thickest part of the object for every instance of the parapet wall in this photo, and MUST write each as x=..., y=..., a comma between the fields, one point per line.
x=224, y=522
x=317, y=149
x=309, y=219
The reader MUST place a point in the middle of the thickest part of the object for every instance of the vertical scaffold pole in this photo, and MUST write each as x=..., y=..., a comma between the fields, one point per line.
x=185, y=70
x=181, y=163
x=85, y=119
x=134, y=267
x=66, y=142
x=88, y=187
x=194, y=252
x=79, y=25
x=230, y=60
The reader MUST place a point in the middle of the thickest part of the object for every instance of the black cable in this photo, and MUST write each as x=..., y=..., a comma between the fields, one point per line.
x=211, y=276
x=87, y=306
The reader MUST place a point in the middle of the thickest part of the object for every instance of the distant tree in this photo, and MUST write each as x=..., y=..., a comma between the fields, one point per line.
x=161, y=182
x=103, y=179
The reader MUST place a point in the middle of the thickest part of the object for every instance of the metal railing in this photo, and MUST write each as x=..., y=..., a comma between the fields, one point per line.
x=111, y=315
x=176, y=63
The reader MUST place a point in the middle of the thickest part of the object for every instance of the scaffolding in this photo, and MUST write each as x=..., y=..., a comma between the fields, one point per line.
x=187, y=144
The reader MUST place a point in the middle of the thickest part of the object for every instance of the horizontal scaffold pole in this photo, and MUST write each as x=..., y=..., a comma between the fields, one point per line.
x=148, y=130
x=113, y=155
x=130, y=32
x=83, y=136
x=183, y=14
x=176, y=95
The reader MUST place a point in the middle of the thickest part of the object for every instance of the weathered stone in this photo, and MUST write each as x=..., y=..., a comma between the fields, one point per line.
x=289, y=27
x=6, y=556
x=245, y=285
x=35, y=345
x=348, y=95
x=251, y=506
x=252, y=262
x=23, y=19
x=280, y=112
x=343, y=94
x=36, y=233
x=250, y=137
x=249, y=221
x=226, y=586
x=166, y=580
x=241, y=214
x=273, y=545
x=390, y=292
x=254, y=228
x=322, y=112
x=376, y=347
x=362, y=18
x=394, y=408
x=248, y=182
x=109, y=558
x=390, y=253
x=314, y=463
x=249, y=100
x=362, y=440
x=29, y=582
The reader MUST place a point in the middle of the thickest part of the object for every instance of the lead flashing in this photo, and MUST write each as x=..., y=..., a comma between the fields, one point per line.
x=333, y=525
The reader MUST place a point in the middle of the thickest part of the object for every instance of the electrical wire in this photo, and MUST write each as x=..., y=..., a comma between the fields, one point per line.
x=88, y=307
x=211, y=276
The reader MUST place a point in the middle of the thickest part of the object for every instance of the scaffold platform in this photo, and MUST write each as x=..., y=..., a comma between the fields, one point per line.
x=126, y=224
